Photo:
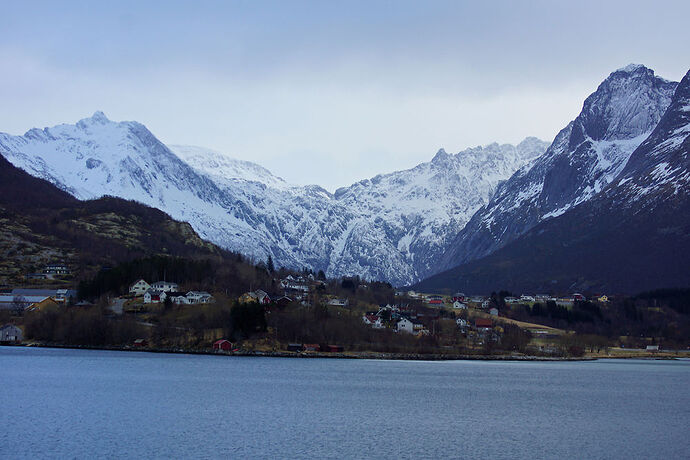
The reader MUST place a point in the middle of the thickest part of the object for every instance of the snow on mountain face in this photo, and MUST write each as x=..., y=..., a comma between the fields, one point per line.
x=391, y=227
x=659, y=170
x=583, y=159
x=417, y=211
x=222, y=168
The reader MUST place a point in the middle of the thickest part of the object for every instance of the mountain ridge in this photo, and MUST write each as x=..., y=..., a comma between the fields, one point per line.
x=392, y=227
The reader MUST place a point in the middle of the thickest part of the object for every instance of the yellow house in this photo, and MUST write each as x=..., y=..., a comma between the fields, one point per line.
x=603, y=298
x=246, y=298
x=44, y=305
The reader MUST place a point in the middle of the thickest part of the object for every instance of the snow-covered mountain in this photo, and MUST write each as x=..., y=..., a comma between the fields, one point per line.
x=632, y=236
x=393, y=227
x=583, y=159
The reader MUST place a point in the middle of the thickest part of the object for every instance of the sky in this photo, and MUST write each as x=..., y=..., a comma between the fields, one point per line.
x=326, y=92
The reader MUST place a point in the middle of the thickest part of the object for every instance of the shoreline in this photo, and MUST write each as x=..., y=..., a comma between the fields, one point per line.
x=345, y=355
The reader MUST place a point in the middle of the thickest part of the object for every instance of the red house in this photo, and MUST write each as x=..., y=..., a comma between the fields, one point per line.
x=483, y=323
x=335, y=348
x=312, y=347
x=222, y=344
x=141, y=343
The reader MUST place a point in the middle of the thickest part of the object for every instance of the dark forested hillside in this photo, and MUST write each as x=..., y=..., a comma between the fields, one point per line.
x=40, y=224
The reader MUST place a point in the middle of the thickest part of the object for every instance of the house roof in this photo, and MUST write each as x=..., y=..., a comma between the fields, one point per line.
x=483, y=322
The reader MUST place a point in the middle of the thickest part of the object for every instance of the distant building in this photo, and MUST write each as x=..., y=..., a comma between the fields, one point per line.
x=165, y=286
x=56, y=269
x=459, y=304
x=603, y=298
x=9, y=333
x=195, y=297
x=257, y=296
x=339, y=302
x=493, y=311
x=155, y=296
x=59, y=295
x=483, y=323
x=139, y=287
x=652, y=347
x=222, y=345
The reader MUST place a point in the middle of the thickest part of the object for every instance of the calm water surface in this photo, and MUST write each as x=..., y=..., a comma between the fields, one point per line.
x=90, y=404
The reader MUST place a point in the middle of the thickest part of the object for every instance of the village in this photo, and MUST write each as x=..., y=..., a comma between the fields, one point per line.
x=476, y=324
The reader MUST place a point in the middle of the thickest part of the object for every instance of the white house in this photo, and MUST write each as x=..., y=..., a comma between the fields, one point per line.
x=165, y=286
x=493, y=311
x=199, y=297
x=139, y=287
x=179, y=298
x=339, y=302
x=458, y=304
x=411, y=327
x=404, y=325
x=154, y=296
x=527, y=298
x=372, y=320
x=461, y=322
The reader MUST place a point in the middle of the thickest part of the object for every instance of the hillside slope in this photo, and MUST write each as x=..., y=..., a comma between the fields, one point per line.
x=40, y=224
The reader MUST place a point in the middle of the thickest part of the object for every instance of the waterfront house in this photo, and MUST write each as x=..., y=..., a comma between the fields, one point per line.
x=222, y=345
x=141, y=343
x=312, y=347
x=334, y=348
x=294, y=347
x=139, y=287
x=9, y=333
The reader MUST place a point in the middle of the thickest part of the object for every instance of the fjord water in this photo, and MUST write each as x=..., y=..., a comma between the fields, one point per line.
x=58, y=403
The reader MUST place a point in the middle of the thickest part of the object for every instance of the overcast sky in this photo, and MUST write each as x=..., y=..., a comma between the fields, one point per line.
x=327, y=92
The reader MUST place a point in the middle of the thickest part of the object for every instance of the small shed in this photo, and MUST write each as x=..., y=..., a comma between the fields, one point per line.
x=312, y=347
x=10, y=333
x=335, y=348
x=222, y=344
x=141, y=343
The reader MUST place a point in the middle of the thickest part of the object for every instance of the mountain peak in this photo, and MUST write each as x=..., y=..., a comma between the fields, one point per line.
x=98, y=118
x=440, y=156
x=630, y=68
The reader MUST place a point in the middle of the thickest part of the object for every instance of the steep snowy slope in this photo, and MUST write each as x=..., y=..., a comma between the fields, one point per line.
x=392, y=227
x=585, y=156
x=415, y=213
x=631, y=237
